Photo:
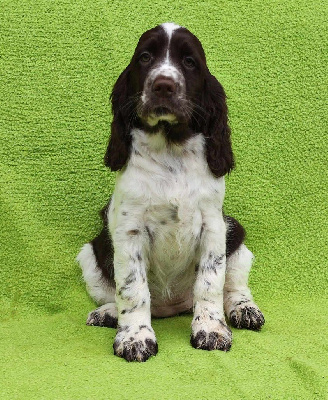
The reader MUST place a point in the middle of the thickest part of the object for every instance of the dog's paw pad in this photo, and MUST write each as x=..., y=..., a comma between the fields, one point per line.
x=247, y=317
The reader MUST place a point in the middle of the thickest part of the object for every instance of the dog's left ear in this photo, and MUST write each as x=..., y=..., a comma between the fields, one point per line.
x=216, y=129
x=119, y=145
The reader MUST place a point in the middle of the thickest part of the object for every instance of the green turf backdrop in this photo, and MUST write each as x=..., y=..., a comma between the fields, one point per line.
x=58, y=62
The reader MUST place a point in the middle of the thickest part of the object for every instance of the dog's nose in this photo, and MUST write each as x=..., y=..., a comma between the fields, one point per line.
x=164, y=87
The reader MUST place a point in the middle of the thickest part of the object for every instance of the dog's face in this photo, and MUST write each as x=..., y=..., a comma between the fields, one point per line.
x=167, y=86
x=167, y=70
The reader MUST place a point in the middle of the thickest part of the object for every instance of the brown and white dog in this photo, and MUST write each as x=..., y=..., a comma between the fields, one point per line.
x=166, y=246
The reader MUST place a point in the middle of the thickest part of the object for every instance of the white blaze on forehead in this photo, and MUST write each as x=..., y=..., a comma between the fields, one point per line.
x=169, y=27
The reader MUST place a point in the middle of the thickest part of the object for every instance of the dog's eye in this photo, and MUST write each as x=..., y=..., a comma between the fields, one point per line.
x=189, y=62
x=145, y=57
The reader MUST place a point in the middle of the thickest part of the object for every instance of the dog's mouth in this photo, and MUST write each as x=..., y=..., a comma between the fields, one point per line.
x=161, y=111
x=152, y=114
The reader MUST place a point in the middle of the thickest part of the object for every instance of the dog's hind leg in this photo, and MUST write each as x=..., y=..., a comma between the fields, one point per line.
x=99, y=288
x=238, y=301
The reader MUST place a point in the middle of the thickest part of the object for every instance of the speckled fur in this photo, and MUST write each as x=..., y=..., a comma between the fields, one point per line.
x=165, y=231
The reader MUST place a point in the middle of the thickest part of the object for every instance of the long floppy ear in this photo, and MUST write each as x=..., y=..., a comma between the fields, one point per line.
x=118, y=149
x=216, y=130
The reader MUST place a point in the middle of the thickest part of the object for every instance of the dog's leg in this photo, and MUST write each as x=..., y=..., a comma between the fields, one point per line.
x=238, y=301
x=135, y=339
x=99, y=288
x=209, y=329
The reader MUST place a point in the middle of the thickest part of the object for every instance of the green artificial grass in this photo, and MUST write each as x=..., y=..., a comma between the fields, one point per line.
x=58, y=62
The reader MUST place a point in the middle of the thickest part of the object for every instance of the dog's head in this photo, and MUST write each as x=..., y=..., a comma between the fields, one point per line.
x=167, y=86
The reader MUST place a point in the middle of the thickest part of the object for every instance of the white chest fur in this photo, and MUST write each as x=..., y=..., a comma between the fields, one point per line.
x=164, y=191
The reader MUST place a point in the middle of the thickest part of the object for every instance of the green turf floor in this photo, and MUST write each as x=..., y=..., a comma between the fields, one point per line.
x=58, y=62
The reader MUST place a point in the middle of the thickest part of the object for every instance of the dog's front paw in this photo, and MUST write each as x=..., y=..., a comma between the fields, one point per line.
x=135, y=343
x=247, y=316
x=210, y=335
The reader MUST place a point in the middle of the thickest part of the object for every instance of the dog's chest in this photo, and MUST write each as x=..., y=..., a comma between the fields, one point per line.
x=174, y=230
x=170, y=193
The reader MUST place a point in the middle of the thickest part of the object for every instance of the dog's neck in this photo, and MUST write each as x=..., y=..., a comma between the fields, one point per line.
x=159, y=142
x=176, y=133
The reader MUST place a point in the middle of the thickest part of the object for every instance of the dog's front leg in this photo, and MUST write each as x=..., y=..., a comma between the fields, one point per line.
x=209, y=329
x=135, y=339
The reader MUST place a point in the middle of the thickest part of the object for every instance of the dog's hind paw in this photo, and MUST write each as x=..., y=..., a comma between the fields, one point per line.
x=105, y=315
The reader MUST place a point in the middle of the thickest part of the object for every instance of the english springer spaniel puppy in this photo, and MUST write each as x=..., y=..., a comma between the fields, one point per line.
x=166, y=246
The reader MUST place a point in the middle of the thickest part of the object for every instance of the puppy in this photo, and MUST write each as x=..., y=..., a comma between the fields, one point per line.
x=166, y=246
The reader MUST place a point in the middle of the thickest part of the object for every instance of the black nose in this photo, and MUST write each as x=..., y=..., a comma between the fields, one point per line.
x=164, y=87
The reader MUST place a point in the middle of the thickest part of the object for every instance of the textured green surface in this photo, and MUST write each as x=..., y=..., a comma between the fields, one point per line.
x=58, y=61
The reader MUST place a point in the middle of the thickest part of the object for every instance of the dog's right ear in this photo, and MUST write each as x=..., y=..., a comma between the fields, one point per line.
x=118, y=149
